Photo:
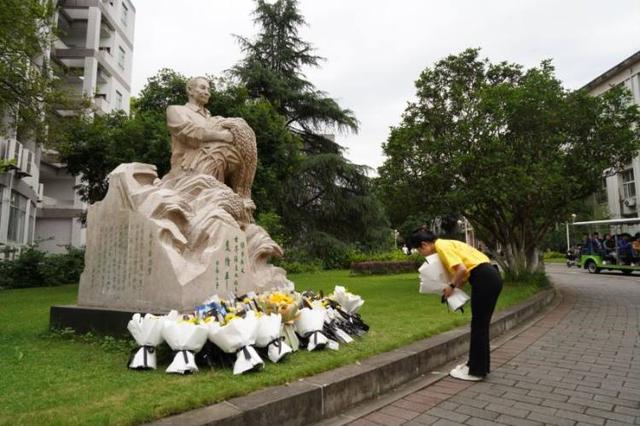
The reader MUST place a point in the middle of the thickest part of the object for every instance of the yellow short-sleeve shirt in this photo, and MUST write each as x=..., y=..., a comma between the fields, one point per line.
x=452, y=253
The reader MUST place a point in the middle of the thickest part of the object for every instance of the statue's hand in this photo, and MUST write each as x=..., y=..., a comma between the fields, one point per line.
x=220, y=135
x=227, y=136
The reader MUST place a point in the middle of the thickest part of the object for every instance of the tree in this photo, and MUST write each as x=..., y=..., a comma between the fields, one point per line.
x=30, y=85
x=93, y=147
x=327, y=194
x=272, y=69
x=508, y=148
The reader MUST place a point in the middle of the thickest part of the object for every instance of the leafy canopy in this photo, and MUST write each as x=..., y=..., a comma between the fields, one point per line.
x=509, y=148
x=30, y=84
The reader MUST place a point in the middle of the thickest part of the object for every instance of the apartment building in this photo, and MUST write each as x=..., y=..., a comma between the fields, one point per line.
x=96, y=45
x=38, y=201
x=621, y=187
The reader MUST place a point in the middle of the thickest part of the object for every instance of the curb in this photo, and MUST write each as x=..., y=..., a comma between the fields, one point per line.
x=326, y=394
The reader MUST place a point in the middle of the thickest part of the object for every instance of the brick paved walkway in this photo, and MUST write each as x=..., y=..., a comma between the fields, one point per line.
x=579, y=364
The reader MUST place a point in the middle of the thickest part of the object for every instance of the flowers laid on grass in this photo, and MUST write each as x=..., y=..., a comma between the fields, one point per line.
x=147, y=332
x=237, y=336
x=186, y=336
x=249, y=327
x=287, y=305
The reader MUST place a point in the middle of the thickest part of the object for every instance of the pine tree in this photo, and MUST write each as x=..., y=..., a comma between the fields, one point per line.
x=328, y=196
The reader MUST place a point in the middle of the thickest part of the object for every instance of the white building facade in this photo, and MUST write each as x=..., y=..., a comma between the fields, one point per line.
x=38, y=202
x=622, y=187
x=96, y=45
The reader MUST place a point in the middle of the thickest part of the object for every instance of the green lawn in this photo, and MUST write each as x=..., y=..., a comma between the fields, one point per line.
x=50, y=378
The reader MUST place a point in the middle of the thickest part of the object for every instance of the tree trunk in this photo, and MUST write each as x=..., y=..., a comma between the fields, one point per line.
x=521, y=260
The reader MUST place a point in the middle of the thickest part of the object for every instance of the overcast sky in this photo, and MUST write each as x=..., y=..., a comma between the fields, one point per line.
x=375, y=49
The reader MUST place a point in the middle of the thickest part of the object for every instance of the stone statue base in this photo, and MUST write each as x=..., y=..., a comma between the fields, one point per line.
x=155, y=245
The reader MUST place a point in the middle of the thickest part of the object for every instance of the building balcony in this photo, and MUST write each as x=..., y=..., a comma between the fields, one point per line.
x=101, y=103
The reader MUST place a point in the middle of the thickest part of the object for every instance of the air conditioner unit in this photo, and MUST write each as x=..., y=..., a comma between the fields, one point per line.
x=14, y=152
x=629, y=206
x=26, y=164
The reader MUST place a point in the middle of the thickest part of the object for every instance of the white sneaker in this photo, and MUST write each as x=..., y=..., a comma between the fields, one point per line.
x=462, y=372
x=462, y=367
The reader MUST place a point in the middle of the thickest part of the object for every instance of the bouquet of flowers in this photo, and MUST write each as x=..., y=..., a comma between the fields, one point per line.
x=269, y=326
x=147, y=331
x=238, y=335
x=333, y=326
x=350, y=302
x=287, y=306
x=352, y=324
x=309, y=325
x=186, y=336
x=433, y=276
x=457, y=300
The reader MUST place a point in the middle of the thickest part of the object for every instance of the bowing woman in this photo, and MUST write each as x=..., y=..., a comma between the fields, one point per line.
x=465, y=263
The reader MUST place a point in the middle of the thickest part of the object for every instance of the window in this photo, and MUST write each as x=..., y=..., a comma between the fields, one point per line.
x=628, y=184
x=125, y=14
x=118, y=100
x=121, y=54
x=1, y=198
x=32, y=223
x=17, y=213
x=601, y=193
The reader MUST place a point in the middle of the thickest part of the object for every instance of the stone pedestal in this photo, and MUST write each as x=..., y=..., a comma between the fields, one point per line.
x=128, y=267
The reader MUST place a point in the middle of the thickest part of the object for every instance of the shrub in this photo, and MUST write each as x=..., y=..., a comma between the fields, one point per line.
x=535, y=279
x=35, y=268
x=384, y=267
x=550, y=254
x=58, y=269
x=320, y=246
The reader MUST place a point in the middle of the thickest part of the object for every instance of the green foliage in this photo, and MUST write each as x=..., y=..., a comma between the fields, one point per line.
x=58, y=378
x=6, y=165
x=377, y=267
x=93, y=147
x=25, y=32
x=35, y=268
x=272, y=69
x=30, y=84
x=272, y=223
x=508, y=148
x=165, y=88
x=322, y=193
x=550, y=254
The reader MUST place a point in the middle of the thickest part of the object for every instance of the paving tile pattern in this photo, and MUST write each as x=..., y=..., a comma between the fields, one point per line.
x=579, y=364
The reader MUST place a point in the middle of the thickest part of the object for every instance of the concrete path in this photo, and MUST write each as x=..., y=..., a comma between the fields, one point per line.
x=578, y=364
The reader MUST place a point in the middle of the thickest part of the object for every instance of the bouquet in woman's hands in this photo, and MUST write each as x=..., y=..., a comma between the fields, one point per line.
x=147, y=331
x=186, y=336
x=238, y=335
x=287, y=305
x=433, y=276
x=269, y=337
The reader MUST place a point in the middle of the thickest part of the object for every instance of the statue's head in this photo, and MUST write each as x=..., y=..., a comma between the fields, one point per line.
x=198, y=90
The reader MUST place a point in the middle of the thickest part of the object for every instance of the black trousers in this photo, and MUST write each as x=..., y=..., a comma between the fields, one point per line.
x=486, y=285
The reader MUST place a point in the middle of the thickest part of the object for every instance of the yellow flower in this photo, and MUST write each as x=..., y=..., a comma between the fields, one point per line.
x=229, y=317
